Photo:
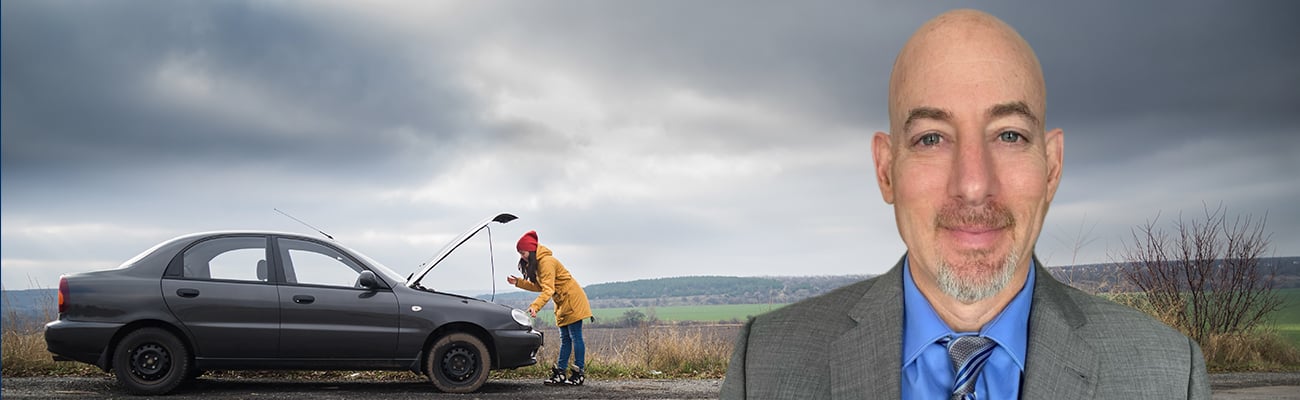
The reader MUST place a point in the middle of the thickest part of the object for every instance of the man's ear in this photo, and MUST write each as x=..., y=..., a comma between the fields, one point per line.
x=1055, y=140
x=883, y=154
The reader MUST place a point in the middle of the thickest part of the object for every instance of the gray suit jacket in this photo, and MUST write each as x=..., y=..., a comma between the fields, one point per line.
x=847, y=344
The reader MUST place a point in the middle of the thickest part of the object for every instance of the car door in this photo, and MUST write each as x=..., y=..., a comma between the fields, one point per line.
x=325, y=313
x=223, y=295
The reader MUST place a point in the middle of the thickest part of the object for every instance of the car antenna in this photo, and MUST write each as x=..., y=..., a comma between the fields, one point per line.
x=304, y=223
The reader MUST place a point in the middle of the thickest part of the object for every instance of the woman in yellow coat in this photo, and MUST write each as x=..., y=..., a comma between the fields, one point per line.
x=543, y=273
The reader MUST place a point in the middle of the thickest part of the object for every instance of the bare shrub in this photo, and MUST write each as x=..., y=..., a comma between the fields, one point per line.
x=1205, y=278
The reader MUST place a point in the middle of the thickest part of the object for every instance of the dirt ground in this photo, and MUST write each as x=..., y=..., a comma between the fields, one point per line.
x=1229, y=386
x=227, y=388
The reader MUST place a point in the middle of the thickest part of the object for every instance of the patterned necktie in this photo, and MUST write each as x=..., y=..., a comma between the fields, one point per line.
x=968, y=354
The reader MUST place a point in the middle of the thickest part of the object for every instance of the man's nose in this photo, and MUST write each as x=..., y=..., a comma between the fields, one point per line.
x=974, y=178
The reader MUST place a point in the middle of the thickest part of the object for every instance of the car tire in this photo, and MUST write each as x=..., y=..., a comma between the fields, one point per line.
x=150, y=361
x=458, y=363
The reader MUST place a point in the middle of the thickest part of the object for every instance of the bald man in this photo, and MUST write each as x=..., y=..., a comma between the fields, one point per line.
x=967, y=312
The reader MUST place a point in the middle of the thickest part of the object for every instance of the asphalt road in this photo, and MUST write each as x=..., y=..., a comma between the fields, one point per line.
x=244, y=388
x=1234, y=386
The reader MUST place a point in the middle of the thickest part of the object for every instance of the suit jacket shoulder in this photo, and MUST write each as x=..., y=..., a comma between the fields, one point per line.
x=840, y=344
x=816, y=316
x=1084, y=346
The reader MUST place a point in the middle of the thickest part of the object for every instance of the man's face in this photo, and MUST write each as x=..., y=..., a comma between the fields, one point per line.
x=967, y=165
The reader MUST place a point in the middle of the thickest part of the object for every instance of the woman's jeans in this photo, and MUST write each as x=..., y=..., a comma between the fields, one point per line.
x=571, y=338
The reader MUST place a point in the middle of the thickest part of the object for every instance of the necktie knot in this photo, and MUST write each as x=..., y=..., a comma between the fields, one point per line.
x=968, y=354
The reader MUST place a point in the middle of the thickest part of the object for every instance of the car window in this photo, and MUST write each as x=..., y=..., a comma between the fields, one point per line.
x=316, y=264
x=227, y=258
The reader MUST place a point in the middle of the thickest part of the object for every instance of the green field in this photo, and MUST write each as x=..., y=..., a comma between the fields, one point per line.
x=711, y=313
x=1287, y=319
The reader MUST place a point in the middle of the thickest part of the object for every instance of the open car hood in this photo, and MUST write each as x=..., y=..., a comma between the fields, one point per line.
x=415, y=278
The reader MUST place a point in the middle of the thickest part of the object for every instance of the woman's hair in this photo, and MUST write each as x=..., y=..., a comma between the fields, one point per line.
x=528, y=267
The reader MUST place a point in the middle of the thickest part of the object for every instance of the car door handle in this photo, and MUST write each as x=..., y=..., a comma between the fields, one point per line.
x=303, y=299
x=191, y=293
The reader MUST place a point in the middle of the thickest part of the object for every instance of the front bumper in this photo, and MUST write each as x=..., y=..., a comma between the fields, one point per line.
x=517, y=348
x=80, y=341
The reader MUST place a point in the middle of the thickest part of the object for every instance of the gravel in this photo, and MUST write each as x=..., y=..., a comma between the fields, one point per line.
x=1236, y=380
x=244, y=388
x=512, y=389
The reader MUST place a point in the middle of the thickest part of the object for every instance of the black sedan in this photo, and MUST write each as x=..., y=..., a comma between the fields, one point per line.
x=269, y=300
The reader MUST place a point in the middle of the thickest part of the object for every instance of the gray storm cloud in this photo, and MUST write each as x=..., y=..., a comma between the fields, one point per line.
x=650, y=139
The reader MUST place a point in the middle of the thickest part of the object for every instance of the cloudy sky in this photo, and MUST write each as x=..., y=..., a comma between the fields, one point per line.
x=642, y=140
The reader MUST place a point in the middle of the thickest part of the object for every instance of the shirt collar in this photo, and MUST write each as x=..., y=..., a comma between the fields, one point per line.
x=922, y=326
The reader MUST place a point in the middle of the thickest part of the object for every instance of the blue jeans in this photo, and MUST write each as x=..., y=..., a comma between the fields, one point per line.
x=571, y=339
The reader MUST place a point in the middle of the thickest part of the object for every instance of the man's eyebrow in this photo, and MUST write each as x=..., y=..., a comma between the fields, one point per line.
x=920, y=113
x=1013, y=108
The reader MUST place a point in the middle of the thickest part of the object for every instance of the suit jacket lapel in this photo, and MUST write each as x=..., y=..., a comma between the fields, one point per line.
x=867, y=363
x=1059, y=364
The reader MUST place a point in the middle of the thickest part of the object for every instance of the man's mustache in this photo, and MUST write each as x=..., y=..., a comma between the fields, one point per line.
x=990, y=216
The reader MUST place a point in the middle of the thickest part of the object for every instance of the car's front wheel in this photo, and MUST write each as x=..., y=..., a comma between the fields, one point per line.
x=458, y=363
x=150, y=361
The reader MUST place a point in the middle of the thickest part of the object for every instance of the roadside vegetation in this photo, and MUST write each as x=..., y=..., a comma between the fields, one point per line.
x=647, y=351
x=1204, y=277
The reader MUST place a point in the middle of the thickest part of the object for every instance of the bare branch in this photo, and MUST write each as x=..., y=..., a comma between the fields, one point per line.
x=1206, y=278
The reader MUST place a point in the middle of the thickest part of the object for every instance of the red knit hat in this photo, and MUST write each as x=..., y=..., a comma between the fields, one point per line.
x=528, y=242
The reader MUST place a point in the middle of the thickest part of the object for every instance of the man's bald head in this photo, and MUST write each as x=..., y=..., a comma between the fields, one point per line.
x=969, y=47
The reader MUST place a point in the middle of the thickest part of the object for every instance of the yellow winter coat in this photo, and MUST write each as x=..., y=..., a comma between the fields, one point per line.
x=553, y=280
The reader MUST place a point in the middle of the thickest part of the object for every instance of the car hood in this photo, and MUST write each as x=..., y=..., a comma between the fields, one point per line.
x=415, y=278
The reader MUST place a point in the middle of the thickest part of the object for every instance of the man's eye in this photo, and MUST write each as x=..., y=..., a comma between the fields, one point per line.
x=929, y=139
x=1010, y=136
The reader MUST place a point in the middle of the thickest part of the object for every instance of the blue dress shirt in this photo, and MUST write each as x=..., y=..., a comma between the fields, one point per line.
x=927, y=371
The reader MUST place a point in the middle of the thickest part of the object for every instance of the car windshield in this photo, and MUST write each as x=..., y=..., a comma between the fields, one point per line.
x=383, y=269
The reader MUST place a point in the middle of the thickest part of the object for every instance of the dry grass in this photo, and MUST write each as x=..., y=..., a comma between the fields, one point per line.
x=678, y=351
x=650, y=351
x=1259, y=349
x=22, y=343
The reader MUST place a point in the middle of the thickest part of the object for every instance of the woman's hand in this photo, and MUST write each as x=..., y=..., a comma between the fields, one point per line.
x=511, y=279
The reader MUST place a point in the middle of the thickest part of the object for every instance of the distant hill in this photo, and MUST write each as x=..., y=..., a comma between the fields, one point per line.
x=1104, y=278
x=698, y=290
x=30, y=308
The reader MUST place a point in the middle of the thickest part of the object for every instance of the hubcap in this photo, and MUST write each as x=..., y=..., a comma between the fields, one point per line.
x=459, y=364
x=150, y=362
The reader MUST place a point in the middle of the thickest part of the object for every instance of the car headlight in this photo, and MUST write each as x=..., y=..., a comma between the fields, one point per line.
x=521, y=317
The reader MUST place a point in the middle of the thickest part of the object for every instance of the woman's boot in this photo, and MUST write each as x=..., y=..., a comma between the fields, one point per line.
x=575, y=377
x=557, y=377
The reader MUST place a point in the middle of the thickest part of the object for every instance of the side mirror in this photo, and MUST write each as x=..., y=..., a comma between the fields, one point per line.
x=367, y=280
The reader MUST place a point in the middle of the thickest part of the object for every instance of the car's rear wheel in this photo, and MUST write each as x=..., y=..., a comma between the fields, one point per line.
x=458, y=363
x=150, y=361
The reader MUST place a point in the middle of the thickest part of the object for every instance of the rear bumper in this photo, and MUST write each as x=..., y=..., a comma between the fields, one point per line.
x=80, y=341
x=517, y=348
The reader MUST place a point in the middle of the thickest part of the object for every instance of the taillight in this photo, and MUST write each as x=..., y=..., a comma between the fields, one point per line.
x=63, y=294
